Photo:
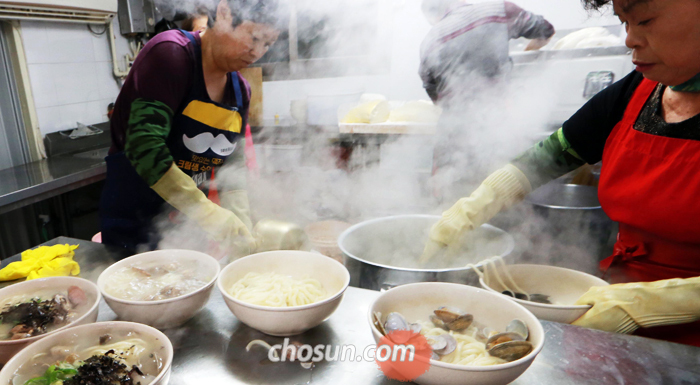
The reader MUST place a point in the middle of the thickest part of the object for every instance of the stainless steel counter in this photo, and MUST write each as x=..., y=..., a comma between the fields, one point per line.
x=210, y=348
x=36, y=181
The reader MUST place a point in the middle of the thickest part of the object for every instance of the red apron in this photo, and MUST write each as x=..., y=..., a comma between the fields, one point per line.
x=650, y=185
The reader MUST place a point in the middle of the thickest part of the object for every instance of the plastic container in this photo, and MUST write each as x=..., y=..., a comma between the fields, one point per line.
x=323, y=237
x=322, y=110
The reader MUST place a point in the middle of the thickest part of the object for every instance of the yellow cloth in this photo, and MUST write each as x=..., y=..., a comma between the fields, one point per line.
x=44, y=261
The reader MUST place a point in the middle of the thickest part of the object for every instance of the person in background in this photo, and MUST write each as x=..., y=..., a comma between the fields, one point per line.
x=646, y=130
x=471, y=39
x=197, y=21
x=179, y=118
x=464, y=66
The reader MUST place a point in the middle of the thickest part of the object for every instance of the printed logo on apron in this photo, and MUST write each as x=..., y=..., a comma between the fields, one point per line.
x=206, y=133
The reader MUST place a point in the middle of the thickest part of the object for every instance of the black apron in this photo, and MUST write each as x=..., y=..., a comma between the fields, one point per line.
x=203, y=134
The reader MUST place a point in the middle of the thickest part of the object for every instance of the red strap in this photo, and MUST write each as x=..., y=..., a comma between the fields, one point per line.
x=213, y=192
x=638, y=100
x=251, y=162
x=623, y=252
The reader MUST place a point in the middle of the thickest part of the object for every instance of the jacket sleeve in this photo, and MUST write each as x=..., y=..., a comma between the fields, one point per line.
x=522, y=23
x=548, y=160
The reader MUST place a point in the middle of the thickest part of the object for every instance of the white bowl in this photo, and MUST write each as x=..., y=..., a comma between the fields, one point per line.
x=564, y=286
x=286, y=321
x=166, y=313
x=9, y=348
x=95, y=330
x=417, y=301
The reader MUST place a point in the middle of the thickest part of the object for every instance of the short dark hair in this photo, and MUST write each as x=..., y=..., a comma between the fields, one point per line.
x=594, y=4
x=257, y=11
x=188, y=20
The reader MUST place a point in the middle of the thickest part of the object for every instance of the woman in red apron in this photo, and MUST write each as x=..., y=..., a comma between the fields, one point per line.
x=646, y=130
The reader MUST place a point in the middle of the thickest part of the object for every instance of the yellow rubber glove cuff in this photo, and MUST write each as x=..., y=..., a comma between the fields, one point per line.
x=500, y=190
x=237, y=202
x=43, y=257
x=623, y=308
x=178, y=189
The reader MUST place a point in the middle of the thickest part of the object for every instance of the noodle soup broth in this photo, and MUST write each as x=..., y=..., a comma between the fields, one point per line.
x=141, y=356
x=155, y=280
x=416, y=302
x=43, y=310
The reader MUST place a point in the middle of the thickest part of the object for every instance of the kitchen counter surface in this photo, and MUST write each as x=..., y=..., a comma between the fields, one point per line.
x=210, y=348
x=33, y=182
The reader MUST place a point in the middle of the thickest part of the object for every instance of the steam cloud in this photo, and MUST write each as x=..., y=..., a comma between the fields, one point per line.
x=494, y=122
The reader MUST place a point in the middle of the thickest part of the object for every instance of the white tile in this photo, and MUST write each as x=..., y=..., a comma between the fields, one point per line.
x=70, y=43
x=35, y=41
x=43, y=84
x=100, y=47
x=50, y=120
x=95, y=112
x=76, y=83
x=108, y=87
x=99, y=110
x=85, y=113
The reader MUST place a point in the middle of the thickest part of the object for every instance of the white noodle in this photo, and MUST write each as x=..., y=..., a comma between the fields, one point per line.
x=492, y=262
x=128, y=351
x=276, y=290
x=469, y=350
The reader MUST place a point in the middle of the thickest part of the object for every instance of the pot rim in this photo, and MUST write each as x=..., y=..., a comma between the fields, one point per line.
x=509, y=240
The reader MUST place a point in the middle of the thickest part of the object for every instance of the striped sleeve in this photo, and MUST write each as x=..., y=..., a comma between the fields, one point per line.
x=145, y=147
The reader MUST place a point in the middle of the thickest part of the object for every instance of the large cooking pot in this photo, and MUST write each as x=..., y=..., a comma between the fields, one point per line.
x=575, y=221
x=384, y=252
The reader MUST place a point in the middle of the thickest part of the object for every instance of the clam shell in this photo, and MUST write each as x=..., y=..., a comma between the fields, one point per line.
x=511, y=351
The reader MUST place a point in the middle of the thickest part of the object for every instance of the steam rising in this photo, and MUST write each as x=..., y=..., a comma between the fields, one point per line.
x=487, y=124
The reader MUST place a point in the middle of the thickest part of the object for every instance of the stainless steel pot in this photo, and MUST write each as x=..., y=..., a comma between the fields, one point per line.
x=573, y=217
x=382, y=253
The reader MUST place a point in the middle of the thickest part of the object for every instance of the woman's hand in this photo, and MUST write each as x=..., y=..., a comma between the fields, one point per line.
x=501, y=189
x=536, y=44
x=623, y=308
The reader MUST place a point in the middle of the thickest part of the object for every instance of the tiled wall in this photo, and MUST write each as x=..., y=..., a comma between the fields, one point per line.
x=70, y=71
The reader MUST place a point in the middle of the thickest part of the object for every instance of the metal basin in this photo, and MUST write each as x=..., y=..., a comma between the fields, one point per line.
x=384, y=252
x=565, y=197
x=575, y=220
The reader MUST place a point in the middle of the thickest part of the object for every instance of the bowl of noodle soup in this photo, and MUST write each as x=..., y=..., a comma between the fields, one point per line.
x=40, y=293
x=469, y=363
x=84, y=352
x=283, y=293
x=162, y=288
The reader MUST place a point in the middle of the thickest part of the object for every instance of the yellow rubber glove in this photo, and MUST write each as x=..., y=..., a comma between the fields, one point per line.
x=224, y=226
x=623, y=308
x=44, y=261
x=237, y=202
x=500, y=190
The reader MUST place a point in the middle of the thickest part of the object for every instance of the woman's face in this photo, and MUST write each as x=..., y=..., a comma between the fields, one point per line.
x=664, y=36
x=239, y=47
